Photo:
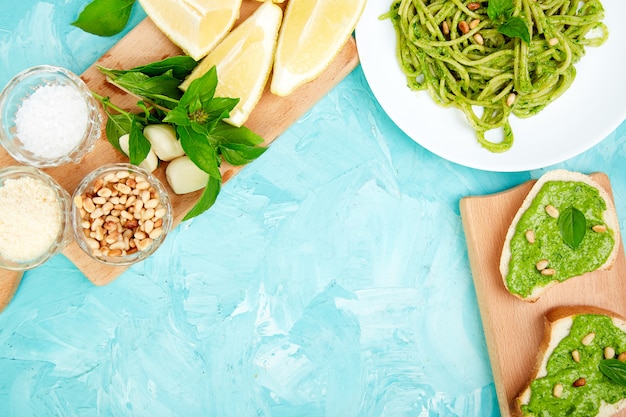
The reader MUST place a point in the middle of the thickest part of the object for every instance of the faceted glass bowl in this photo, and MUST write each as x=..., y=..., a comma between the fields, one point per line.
x=24, y=85
x=98, y=239
x=62, y=198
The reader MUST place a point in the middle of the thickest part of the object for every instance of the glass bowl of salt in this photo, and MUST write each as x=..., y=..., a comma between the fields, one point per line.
x=49, y=117
x=34, y=217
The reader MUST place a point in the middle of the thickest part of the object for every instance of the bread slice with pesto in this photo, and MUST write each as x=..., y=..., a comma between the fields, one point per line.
x=577, y=373
x=566, y=227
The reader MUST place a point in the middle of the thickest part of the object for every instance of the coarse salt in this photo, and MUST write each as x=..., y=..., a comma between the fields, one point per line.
x=52, y=121
x=30, y=218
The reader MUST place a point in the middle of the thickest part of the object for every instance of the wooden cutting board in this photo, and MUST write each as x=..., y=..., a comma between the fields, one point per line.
x=145, y=44
x=514, y=328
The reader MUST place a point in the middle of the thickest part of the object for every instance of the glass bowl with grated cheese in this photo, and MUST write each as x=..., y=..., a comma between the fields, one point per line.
x=120, y=214
x=49, y=117
x=34, y=217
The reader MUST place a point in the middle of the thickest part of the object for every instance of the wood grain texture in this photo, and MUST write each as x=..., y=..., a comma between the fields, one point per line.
x=145, y=44
x=514, y=328
x=9, y=282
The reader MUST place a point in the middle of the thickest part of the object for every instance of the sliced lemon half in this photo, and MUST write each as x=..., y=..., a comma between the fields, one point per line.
x=313, y=33
x=196, y=26
x=243, y=61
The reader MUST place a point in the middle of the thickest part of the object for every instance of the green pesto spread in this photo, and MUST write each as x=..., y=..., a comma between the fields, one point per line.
x=582, y=401
x=593, y=251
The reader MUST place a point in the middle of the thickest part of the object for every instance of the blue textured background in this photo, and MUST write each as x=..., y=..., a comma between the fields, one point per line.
x=330, y=279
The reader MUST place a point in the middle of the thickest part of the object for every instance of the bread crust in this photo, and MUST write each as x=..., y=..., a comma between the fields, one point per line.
x=552, y=335
x=609, y=216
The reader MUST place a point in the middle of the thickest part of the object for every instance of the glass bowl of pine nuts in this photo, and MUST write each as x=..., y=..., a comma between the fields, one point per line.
x=120, y=214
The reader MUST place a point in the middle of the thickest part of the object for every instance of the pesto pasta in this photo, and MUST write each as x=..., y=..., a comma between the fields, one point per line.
x=456, y=51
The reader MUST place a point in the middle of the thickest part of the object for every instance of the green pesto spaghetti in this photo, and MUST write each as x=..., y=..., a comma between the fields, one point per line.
x=453, y=49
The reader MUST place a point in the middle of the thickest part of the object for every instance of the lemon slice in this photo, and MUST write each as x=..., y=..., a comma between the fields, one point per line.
x=196, y=26
x=243, y=61
x=313, y=33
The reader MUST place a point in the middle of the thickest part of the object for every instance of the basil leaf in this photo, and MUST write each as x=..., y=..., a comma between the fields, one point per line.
x=573, y=226
x=208, y=197
x=219, y=108
x=239, y=154
x=201, y=89
x=615, y=370
x=104, y=17
x=225, y=133
x=199, y=150
x=515, y=27
x=500, y=9
x=162, y=89
x=177, y=116
x=181, y=66
x=138, y=144
x=117, y=125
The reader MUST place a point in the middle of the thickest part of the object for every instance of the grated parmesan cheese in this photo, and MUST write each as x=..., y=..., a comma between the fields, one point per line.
x=52, y=121
x=30, y=218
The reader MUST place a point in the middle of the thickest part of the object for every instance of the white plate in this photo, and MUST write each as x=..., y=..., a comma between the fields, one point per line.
x=588, y=112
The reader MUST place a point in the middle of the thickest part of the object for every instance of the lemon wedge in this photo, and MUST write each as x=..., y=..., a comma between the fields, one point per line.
x=243, y=61
x=196, y=26
x=312, y=34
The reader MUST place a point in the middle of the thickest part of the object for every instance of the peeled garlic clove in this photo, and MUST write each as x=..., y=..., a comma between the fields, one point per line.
x=184, y=176
x=164, y=143
x=149, y=164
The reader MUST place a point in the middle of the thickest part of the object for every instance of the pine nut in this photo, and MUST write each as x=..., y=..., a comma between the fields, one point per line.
x=552, y=211
x=557, y=391
x=123, y=188
x=622, y=357
x=580, y=382
x=553, y=41
x=92, y=243
x=473, y=6
x=542, y=264
x=122, y=174
x=160, y=213
x=588, y=339
x=511, y=99
x=104, y=192
x=144, y=244
x=548, y=272
x=156, y=233
x=609, y=352
x=599, y=228
x=576, y=356
x=78, y=201
x=445, y=29
x=152, y=203
x=148, y=226
x=88, y=205
x=474, y=23
x=464, y=27
x=478, y=38
x=530, y=236
x=142, y=185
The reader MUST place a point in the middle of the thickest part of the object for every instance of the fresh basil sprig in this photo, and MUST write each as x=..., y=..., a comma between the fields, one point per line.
x=573, y=226
x=196, y=114
x=615, y=370
x=105, y=17
x=501, y=13
x=156, y=82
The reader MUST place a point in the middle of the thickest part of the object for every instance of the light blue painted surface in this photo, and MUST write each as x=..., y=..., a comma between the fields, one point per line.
x=330, y=279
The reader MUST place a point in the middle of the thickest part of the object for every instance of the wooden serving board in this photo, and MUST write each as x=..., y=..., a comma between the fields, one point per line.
x=145, y=44
x=514, y=328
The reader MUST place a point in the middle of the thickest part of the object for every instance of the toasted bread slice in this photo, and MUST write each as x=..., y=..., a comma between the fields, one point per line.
x=521, y=253
x=575, y=340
